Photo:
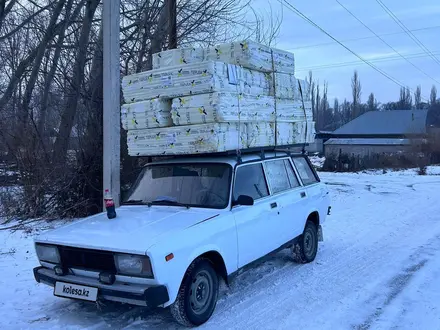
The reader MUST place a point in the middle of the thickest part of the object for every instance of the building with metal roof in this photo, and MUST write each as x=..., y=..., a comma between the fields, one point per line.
x=385, y=124
x=382, y=134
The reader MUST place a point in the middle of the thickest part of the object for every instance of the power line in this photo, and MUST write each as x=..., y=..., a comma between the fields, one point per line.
x=386, y=43
x=407, y=31
x=364, y=38
x=392, y=58
x=304, y=17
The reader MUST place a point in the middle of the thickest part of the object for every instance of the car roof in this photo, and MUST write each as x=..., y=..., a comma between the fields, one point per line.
x=230, y=159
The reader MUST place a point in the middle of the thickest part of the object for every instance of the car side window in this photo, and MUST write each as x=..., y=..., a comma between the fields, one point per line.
x=250, y=181
x=304, y=170
x=277, y=175
x=293, y=180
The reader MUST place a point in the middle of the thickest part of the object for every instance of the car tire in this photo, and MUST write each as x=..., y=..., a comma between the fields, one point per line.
x=197, y=295
x=306, y=247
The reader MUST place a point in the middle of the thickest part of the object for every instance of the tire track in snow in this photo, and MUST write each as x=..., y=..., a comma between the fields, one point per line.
x=399, y=282
x=362, y=265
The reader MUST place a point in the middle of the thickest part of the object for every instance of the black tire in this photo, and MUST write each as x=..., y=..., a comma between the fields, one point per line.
x=306, y=247
x=197, y=295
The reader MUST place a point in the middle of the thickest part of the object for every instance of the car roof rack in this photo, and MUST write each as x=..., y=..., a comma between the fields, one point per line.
x=291, y=149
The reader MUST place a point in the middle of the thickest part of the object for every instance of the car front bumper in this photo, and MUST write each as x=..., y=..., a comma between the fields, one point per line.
x=135, y=294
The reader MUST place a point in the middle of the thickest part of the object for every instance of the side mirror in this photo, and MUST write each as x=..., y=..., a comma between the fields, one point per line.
x=244, y=200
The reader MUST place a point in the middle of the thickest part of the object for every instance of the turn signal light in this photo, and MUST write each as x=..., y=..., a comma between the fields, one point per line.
x=169, y=257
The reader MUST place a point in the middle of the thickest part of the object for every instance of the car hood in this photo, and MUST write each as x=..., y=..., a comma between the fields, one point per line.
x=134, y=230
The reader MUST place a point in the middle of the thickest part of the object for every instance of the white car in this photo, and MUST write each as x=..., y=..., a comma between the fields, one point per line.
x=187, y=223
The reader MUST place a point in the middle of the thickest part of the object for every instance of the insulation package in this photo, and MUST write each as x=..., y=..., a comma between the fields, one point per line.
x=293, y=111
x=248, y=54
x=263, y=134
x=288, y=87
x=229, y=107
x=189, y=139
x=175, y=57
x=194, y=79
x=222, y=107
x=146, y=114
x=223, y=98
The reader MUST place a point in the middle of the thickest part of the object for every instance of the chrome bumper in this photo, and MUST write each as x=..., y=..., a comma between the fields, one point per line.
x=135, y=294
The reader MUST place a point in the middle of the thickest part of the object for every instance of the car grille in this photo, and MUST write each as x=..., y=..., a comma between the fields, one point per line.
x=87, y=259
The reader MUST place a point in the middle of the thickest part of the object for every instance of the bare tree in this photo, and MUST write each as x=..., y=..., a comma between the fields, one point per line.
x=336, y=105
x=41, y=50
x=68, y=116
x=418, y=97
x=318, y=105
x=312, y=93
x=433, y=96
x=266, y=33
x=356, y=92
x=372, y=104
x=51, y=78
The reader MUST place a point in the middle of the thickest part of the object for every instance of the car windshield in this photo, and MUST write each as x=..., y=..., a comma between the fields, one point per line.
x=197, y=185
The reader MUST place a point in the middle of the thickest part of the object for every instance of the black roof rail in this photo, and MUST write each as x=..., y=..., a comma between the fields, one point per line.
x=289, y=149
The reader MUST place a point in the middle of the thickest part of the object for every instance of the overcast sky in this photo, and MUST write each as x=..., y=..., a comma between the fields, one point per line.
x=297, y=36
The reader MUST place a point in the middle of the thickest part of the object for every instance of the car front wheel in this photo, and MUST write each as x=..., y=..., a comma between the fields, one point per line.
x=198, y=294
x=306, y=247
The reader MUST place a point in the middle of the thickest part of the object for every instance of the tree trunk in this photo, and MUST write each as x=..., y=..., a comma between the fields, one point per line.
x=68, y=116
x=159, y=34
x=16, y=78
x=56, y=57
x=4, y=10
x=92, y=149
x=37, y=62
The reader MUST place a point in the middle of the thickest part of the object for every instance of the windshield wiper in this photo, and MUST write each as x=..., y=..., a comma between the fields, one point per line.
x=168, y=202
x=137, y=202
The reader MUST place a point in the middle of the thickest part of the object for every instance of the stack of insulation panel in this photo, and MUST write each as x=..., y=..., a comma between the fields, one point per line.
x=232, y=96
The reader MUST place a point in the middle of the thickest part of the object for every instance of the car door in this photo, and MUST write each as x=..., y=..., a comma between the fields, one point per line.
x=252, y=222
x=316, y=192
x=287, y=193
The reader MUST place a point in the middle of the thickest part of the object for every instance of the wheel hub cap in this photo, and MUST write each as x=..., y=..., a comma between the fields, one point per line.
x=309, y=243
x=201, y=292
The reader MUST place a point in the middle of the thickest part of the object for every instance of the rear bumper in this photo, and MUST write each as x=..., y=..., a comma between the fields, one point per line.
x=134, y=294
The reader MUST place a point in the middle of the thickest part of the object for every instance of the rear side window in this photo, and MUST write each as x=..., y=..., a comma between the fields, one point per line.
x=250, y=181
x=304, y=170
x=277, y=175
x=293, y=180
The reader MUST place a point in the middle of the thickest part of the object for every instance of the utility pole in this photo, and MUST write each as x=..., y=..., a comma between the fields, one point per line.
x=172, y=27
x=111, y=84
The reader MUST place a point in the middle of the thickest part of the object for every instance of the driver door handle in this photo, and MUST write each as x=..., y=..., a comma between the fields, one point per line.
x=273, y=205
x=303, y=194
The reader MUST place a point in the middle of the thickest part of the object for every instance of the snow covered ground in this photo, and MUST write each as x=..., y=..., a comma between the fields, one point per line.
x=378, y=268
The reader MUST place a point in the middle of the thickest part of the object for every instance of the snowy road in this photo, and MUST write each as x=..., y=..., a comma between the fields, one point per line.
x=377, y=269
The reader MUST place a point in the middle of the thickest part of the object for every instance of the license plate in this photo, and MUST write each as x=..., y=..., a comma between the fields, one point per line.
x=75, y=291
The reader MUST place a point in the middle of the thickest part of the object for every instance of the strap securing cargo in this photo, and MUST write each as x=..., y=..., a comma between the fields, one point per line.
x=274, y=97
x=305, y=117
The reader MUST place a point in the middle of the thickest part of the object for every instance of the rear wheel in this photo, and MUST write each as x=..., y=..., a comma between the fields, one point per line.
x=197, y=296
x=306, y=248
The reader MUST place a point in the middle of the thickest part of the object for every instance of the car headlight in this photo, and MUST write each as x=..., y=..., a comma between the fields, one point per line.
x=136, y=265
x=48, y=253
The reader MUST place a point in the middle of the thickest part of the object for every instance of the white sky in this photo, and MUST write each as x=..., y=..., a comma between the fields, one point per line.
x=296, y=34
